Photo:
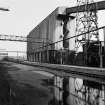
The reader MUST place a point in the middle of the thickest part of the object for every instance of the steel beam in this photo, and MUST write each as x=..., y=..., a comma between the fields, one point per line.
x=93, y=6
x=3, y=9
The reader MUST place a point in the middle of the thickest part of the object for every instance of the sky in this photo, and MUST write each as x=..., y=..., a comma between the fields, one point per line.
x=24, y=15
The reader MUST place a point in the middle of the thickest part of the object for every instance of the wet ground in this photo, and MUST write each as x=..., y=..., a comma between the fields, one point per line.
x=24, y=85
x=28, y=85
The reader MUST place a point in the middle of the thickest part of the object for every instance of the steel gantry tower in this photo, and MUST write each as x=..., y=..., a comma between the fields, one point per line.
x=86, y=21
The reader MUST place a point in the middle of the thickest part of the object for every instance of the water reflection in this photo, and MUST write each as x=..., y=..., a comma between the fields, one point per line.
x=76, y=91
x=63, y=90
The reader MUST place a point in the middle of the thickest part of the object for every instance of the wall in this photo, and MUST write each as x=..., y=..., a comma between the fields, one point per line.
x=51, y=30
x=44, y=32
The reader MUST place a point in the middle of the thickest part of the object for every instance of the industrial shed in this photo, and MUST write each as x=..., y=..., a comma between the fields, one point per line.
x=50, y=30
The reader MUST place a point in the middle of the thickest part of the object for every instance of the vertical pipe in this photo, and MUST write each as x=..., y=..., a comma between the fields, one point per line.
x=104, y=38
x=47, y=55
x=61, y=57
x=101, y=60
x=17, y=55
x=104, y=45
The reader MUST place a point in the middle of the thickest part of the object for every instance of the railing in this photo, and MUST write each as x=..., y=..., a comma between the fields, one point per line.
x=47, y=54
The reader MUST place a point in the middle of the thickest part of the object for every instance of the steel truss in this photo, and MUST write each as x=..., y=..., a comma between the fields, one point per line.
x=17, y=38
x=86, y=21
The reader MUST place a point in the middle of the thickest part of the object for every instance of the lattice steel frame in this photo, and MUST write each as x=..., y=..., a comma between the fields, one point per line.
x=86, y=21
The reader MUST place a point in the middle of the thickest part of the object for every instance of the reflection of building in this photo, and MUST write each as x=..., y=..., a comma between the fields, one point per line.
x=58, y=83
x=57, y=26
x=76, y=91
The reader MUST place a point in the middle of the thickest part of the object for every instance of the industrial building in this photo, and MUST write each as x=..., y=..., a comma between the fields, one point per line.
x=63, y=37
x=53, y=28
x=48, y=43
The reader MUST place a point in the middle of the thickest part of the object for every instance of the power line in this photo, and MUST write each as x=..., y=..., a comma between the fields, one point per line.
x=70, y=37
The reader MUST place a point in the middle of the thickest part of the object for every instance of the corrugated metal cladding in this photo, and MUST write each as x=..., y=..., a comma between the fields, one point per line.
x=50, y=30
x=47, y=31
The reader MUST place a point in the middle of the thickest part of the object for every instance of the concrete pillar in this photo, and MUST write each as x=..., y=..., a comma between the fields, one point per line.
x=71, y=26
x=104, y=47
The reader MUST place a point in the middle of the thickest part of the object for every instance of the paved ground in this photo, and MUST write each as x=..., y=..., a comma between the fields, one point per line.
x=29, y=85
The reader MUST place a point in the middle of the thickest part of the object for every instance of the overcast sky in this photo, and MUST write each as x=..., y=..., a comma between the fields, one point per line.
x=24, y=15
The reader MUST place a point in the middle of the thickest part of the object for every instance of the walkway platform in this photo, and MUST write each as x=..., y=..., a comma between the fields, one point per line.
x=90, y=73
